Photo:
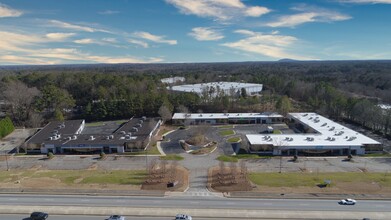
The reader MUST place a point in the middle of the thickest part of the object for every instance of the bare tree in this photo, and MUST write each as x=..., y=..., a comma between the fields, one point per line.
x=165, y=113
x=21, y=99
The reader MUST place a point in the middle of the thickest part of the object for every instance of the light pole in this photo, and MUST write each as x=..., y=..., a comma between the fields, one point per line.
x=6, y=160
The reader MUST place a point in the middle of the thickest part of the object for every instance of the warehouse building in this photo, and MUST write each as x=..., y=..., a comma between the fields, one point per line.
x=215, y=88
x=73, y=137
x=226, y=118
x=320, y=136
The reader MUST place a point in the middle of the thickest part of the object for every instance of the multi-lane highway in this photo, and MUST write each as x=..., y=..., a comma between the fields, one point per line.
x=193, y=202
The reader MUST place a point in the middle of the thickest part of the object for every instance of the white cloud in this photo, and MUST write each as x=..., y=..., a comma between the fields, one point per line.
x=205, y=34
x=108, y=12
x=222, y=10
x=256, y=11
x=308, y=14
x=271, y=45
x=366, y=1
x=138, y=42
x=59, y=36
x=27, y=48
x=6, y=11
x=65, y=25
x=85, y=41
x=110, y=40
x=154, y=38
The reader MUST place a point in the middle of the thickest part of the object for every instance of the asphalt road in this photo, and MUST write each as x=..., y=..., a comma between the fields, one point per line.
x=208, y=202
x=81, y=217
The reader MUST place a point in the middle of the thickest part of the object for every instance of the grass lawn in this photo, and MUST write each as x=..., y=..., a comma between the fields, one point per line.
x=276, y=131
x=171, y=157
x=312, y=179
x=233, y=139
x=227, y=132
x=225, y=126
x=377, y=155
x=134, y=177
x=235, y=158
x=100, y=123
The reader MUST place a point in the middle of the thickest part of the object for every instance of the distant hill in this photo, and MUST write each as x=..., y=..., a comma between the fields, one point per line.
x=287, y=60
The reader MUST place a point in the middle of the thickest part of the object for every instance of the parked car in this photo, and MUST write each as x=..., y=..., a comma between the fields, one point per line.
x=39, y=216
x=347, y=202
x=183, y=217
x=116, y=217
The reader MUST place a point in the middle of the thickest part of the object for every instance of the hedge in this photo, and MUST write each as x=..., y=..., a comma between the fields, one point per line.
x=6, y=127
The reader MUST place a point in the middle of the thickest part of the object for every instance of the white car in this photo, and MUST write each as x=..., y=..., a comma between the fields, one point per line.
x=347, y=202
x=182, y=217
x=116, y=217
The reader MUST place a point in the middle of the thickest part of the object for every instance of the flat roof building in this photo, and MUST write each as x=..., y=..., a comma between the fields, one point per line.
x=214, y=88
x=227, y=118
x=71, y=136
x=320, y=135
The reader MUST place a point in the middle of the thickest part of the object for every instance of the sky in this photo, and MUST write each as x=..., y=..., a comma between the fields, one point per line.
x=42, y=32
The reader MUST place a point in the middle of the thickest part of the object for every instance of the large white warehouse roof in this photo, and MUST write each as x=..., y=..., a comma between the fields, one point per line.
x=227, y=87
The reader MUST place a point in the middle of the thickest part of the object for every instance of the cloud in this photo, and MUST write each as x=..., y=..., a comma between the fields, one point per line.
x=205, y=34
x=221, y=10
x=6, y=11
x=27, y=48
x=138, y=42
x=85, y=41
x=307, y=15
x=271, y=45
x=154, y=38
x=65, y=25
x=366, y=1
x=59, y=36
x=108, y=12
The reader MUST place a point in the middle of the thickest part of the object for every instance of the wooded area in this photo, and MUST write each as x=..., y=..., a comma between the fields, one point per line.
x=341, y=90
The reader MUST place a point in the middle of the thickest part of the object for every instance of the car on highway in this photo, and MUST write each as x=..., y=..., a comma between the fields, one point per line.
x=116, y=217
x=183, y=217
x=39, y=216
x=347, y=202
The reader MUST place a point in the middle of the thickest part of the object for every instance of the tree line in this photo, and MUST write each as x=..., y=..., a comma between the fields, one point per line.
x=342, y=90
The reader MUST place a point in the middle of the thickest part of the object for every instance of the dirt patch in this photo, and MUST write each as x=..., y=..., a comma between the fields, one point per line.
x=93, y=167
x=228, y=179
x=167, y=178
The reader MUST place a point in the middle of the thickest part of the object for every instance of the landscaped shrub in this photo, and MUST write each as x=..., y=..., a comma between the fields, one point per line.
x=50, y=155
x=6, y=127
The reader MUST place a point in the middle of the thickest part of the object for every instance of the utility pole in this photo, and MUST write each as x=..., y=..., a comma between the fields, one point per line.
x=6, y=160
x=280, y=163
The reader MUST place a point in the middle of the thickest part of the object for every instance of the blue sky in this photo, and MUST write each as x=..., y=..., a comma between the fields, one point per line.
x=176, y=31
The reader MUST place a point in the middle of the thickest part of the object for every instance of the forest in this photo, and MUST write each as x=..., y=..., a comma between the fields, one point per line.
x=342, y=90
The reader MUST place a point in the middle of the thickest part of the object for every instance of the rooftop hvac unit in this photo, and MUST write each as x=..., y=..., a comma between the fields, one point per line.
x=134, y=129
x=122, y=132
x=108, y=137
x=91, y=138
x=141, y=121
x=51, y=138
x=74, y=137
x=69, y=138
x=111, y=136
x=144, y=118
x=139, y=125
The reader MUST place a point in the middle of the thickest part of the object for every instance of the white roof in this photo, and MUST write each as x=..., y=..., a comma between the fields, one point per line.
x=226, y=86
x=329, y=134
x=224, y=115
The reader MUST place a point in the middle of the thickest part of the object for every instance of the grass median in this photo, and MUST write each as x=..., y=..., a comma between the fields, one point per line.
x=312, y=179
x=72, y=177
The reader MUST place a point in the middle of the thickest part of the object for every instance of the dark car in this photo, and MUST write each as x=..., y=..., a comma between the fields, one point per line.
x=39, y=216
